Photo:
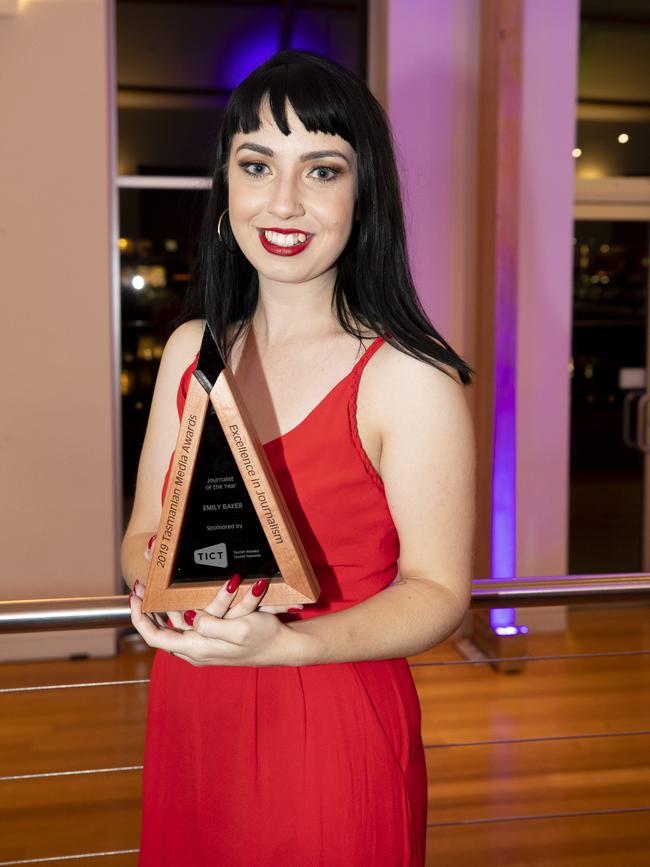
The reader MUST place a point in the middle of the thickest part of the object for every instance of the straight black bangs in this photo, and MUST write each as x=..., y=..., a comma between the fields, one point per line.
x=315, y=88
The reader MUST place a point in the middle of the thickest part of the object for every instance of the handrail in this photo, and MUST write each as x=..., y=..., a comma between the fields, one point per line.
x=560, y=590
x=96, y=612
x=83, y=612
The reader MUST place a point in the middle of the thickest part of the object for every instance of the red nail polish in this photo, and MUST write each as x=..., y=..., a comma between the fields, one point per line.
x=233, y=584
x=167, y=619
x=260, y=586
x=189, y=617
x=152, y=539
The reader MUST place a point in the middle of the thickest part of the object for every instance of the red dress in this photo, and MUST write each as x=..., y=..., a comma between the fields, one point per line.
x=285, y=766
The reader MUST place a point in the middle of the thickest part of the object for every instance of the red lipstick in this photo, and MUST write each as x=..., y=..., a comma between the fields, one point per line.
x=276, y=249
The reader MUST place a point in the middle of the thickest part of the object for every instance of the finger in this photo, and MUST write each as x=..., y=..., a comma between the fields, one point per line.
x=218, y=606
x=188, y=643
x=145, y=624
x=161, y=619
x=275, y=609
x=178, y=621
x=220, y=631
x=251, y=600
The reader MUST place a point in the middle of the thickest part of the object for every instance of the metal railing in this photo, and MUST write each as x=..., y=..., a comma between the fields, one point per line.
x=36, y=615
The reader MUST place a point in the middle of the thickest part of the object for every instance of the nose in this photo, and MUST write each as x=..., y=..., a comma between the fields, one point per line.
x=285, y=197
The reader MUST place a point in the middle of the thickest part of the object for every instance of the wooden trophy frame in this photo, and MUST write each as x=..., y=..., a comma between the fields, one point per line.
x=212, y=391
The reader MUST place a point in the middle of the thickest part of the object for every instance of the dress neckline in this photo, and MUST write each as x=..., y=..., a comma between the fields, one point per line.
x=325, y=397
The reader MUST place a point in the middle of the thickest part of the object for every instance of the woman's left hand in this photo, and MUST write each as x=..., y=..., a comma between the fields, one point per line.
x=251, y=637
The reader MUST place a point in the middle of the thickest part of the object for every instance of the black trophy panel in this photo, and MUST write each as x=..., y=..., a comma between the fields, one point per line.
x=221, y=533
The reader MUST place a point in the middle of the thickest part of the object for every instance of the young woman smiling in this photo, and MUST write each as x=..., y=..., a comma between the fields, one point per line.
x=292, y=736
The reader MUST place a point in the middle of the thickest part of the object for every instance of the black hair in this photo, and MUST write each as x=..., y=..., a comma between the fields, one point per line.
x=373, y=286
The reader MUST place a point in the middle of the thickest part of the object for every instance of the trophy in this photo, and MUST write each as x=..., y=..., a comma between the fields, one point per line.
x=223, y=512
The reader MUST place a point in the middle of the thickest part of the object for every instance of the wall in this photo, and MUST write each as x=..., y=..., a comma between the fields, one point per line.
x=57, y=513
x=424, y=57
x=422, y=67
x=546, y=285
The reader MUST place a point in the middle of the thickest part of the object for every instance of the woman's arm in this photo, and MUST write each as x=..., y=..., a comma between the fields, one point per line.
x=159, y=443
x=427, y=465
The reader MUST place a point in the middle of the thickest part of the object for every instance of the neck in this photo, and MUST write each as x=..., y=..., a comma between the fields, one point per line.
x=291, y=312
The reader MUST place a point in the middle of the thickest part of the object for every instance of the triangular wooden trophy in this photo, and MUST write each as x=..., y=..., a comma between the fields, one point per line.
x=224, y=512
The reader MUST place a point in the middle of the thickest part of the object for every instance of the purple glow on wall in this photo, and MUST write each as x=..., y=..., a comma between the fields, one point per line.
x=247, y=50
x=311, y=31
x=505, y=454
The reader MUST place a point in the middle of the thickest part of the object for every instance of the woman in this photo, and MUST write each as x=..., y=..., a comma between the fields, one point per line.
x=292, y=736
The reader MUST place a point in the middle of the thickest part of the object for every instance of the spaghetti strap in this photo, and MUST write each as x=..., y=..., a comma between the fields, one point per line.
x=352, y=412
x=367, y=355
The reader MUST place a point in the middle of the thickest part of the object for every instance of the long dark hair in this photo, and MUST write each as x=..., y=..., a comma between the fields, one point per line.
x=373, y=287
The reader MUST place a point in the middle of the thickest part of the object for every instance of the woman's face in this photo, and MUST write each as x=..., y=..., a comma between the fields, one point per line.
x=291, y=198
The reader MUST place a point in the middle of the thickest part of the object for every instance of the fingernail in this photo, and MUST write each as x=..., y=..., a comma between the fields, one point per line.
x=233, y=584
x=167, y=619
x=189, y=617
x=136, y=584
x=152, y=539
x=260, y=586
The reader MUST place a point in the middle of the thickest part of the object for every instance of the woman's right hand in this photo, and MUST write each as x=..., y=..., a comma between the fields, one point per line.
x=219, y=607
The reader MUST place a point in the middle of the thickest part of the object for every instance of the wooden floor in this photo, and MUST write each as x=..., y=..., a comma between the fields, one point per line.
x=508, y=755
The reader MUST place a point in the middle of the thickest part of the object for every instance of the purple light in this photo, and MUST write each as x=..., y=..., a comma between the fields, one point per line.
x=247, y=49
x=312, y=31
x=504, y=457
x=511, y=630
x=503, y=480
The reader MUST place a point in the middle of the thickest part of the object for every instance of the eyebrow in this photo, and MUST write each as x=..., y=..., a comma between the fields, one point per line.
x=310, y=155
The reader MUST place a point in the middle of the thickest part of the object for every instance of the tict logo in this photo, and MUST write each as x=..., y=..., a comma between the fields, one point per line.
x=214, y=555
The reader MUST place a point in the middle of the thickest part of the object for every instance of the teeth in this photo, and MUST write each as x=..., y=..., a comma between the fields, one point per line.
x=285, y=240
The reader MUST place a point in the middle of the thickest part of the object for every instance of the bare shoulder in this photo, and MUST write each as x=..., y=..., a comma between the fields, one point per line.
x=397, y=363
x=184, y=342
x=400, y=388
x=179, y=352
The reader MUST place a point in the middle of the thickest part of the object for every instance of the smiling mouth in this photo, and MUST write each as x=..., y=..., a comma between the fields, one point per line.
x=284, y=242
x=285, y=237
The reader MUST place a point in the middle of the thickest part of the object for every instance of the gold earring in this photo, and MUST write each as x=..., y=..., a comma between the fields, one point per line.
x=223, y=213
